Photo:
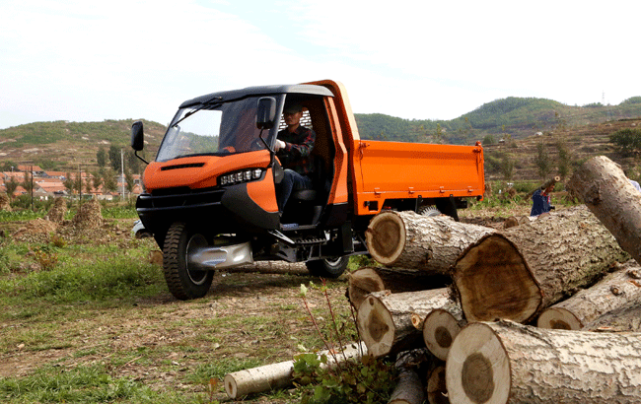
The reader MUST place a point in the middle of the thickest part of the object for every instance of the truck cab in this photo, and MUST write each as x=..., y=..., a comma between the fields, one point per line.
x=210, y=197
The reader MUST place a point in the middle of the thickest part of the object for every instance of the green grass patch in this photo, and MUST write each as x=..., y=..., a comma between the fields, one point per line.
x=83, y=384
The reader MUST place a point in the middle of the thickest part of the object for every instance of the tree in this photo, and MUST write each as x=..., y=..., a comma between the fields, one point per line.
x=97, y=180
x=129, y=179
x=542, y=161
x=488, y=140
x=11, y=186
x=114, y=157
x=27, y=184
x=9, y=165
x=507, y=167
x=564, y=163
x=628, y=140
x=132, y=162
x=88, y=184
x=109, y=181
x=101, y=157
x=69, y=183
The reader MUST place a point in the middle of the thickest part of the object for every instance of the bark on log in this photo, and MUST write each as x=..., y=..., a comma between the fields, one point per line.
x=386, y=323
x=409, y=240
x=436, y=386
x=409, y=389
x=441, y=326
x=627, y=319
x=617, y=290
x=610, y=196
x=506, y=362
x=278, y=375
x=517, y=273
x=375, y=279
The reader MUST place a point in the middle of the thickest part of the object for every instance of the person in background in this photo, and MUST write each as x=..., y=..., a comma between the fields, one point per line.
x=293, y=147
x=541, y=201
x=633, y=182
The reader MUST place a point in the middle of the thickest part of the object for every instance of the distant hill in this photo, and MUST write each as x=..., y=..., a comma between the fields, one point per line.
x=519, y=117
x=62, y=145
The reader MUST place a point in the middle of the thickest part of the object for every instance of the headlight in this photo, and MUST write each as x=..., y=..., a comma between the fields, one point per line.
x=240, y=176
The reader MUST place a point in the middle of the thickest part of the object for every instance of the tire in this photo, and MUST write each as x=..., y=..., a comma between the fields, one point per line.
x=429, y=211
x=328, y=267
x=184, y=283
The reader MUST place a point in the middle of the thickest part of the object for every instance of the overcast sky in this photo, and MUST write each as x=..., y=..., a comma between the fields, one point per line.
x=91, y=60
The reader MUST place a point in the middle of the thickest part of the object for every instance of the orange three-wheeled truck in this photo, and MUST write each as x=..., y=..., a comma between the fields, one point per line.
x=210, y=196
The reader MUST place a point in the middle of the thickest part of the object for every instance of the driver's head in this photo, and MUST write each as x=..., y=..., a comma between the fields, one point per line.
x=293, y=112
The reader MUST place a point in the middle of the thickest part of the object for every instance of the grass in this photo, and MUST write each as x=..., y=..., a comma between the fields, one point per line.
x=99, y=325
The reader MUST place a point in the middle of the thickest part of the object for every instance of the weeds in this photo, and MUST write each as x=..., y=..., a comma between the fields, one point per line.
x=363, y=380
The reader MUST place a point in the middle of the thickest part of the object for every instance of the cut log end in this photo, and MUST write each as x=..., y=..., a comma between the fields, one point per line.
x=361, y=283
x=376, y=326
x=385, y=237
x=439, y=330
x=477, y=369
x=494, y=282
x=558, y=319
x=436, y=388
x=231, y=387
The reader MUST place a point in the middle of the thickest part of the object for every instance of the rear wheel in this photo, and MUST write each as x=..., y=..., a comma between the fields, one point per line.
x=328, y=267
x=185, y=281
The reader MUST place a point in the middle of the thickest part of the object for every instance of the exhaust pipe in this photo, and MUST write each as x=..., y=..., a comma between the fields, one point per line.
x=221, y=257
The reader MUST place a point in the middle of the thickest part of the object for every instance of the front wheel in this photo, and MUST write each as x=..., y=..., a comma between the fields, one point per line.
x=328, y=267
x=185, y=281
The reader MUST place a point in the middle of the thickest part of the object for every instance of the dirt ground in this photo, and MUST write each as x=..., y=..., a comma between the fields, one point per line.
x=252, y=313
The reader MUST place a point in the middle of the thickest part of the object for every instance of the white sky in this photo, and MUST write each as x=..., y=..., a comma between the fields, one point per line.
x=87, y=60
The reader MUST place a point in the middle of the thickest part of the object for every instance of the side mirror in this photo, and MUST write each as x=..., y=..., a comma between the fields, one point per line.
x=266, y=113
x=137, y=136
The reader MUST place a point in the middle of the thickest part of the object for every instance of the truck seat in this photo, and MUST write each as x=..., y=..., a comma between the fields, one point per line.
x=319, y=181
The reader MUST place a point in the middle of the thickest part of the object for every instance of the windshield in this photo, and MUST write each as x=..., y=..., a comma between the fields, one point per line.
x=217, y=129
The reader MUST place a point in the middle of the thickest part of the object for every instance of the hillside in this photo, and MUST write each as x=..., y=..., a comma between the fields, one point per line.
x=519, y=117
x=581, y=142
x=62, y=145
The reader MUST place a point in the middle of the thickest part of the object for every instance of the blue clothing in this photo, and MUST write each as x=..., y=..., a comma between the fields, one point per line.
x=291, y=181
x=540, y=203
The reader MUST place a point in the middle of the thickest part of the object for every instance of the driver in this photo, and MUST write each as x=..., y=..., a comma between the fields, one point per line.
x=293, y=147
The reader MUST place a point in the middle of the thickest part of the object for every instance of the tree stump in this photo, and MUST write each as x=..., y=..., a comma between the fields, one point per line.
x=409, y=240
x=617, y=290
x=385, y=320
x=517, y=273
x=375, y=279
x=610, y=196
x=505, y=362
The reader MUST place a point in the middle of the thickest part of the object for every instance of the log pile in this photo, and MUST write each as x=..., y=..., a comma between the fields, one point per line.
x=548, y=311
x=502, y=282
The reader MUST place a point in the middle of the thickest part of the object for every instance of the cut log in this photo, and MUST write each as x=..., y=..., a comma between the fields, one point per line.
x=409, y=389
x=441, y=326
x=279, y=375
x=436, y=386
x=386, y=323
x=610, y=196
x=375, y=279
x=409, y=240
x=627, y=319
x=506, y=362
x=517, y=273
x=617, y=290
x=546, y=184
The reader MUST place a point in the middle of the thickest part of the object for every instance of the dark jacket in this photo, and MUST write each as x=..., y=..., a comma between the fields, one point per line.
x=540, y=203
